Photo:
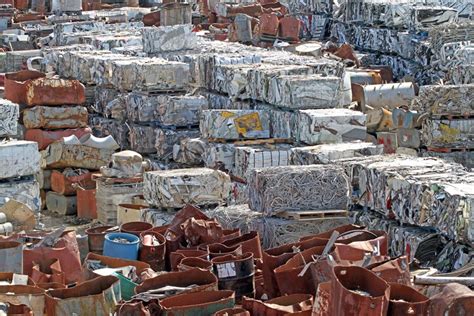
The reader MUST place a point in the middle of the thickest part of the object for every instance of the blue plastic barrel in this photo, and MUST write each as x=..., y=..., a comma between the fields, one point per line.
x=121, y=250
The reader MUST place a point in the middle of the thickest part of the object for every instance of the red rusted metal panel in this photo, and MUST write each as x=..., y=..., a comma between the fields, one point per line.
x=19, y=310
x=454, y=299
x=96, y=236
x=33, y=88
x=65, y=185
x=236, y=311
x=395, y=270
x=191, y=263
x=178, y=255
x=45, y=138
x=290, y=28
x=322, y=302
x=94, y=297
x=135, y=228
x=86, y=204
x=197, y=304
x=113, y=263
x=405, y=300
x=365, y=240
x=150, y=253
x=217, y=250
x=48, y=271
x=31, y=296
x=279, y=306
x=250, y=243
x=205, y=281
x=389, y=141
x=358, y=291
x=269, y=24
x=21, y=4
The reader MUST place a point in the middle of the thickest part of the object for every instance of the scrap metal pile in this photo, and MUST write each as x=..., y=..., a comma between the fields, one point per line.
x=211, y=164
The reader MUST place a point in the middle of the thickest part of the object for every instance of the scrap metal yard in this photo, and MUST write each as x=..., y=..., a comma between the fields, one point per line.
x=250, y=158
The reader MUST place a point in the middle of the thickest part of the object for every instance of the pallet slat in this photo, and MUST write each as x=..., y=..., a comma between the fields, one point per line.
x=306, y=215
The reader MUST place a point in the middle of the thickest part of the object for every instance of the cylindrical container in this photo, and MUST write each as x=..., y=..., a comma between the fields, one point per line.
x=154, y=255
x=178, y=255
x=192, y=263
x=6, y=228
x=11, y=256
x=135, y=228
x=236, y=273
x=125, y=250
x=236, y=311
x=217, y=250
x=19, y=310
x=96, y=236
x=388, y=95
x=405, y=300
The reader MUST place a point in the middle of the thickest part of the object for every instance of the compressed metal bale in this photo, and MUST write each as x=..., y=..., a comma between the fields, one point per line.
x=60, y=204
x=142, y=138
x=60, y=155
x=220, y=156
x=19, y=158
x=190, y=151
x=445, y=99
x=456, y=133
x=221, y=102
x=55, y=117
x=108, y=42
x=235, y=124
x=278, y=189
x=249, y=158
x=103, y=127
x=9, y=115
x=167, y=138
x=25, y=190
x=102, y=97
x=168, y=38
x=465, y=158
x=328, y=153
x=330, y=126
x=304, y=92
x=176, y=188
x=282, y=122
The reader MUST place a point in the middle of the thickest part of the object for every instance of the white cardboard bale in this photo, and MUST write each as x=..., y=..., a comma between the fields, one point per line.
x=176, y=188
x=304, y=91
x=330, y=126
x=22, y=190
x=9, y=115
x=220, y=156
x=235, y=124
x=327, y=153
x=19, y=158
x=168, y=38
x=298, y=188
x=249, y=158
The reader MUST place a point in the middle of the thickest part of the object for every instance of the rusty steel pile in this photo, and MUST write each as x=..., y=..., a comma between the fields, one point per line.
x=257, y=157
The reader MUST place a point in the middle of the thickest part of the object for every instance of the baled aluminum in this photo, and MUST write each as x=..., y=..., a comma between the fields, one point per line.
x=60, y=155
x=9, y=116
x=389, y=95
x=55, y=117
x=96, y=297
x=197, y=304
x=18, y=158
x=346, y=281
x=45, y=138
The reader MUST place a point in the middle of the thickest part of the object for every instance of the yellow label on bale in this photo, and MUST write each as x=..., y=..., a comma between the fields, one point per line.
x=247, y=123
x=448, y=134
x=226, y=114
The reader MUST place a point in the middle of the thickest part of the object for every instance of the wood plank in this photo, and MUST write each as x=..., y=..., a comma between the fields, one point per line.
x=309, y=215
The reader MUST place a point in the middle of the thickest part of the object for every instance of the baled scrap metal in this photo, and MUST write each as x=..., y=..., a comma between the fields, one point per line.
x=142, y=138
x=235, y=124
x=446, y=133
x=465, y=158
x=168, y=38
x=249, y=158
x=141, y=107
x=220, y=156
x=445, y=99
x=80, y=64
x=328, y=153
x=74, y=27
x=16, y=59
x=102, y=72
x=61, y=155
x=324, y=126
x=9, y=115
x=132, y=50
x=103, y=127
x=167, y=138
x=278, y=189
x=108, y=42
x=304, y=92
x=116, y=108
x=19, y=158
x=221, y=102
x=233, y=80
x=25, y=190
x=190, y=151
x=102, y=96
x=55, y=117
x=176, y=188
x=150, y=74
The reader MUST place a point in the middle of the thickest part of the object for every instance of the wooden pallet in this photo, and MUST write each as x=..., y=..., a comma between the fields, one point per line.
x=243, y=142
x=449, y=149
x=310, y=215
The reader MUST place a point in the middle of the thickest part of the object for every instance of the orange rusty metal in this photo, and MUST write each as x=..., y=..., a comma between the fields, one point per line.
x=345, y=51
x=198, y=231
x=253, y=10
x=290, y=28
x=96, y=236
x=395, y=270
x=269, y=24
x=454, y=299
x=405, y=300
x=86, y=204
x=279, y=306
x=21, y=4
x=250, y=243
x=288, y=275
x=65, y=250
x=45, y=138
x=199, y=303
x=275, y=257
x=113, y=263
x=135, y=228
x=33, y=88
x=236, y=311
x=152, y=19
x=8, y=277
x=205, y=281
x=322, y=302
x=55, y=117
x=19, y=310
x=64, y=185
x=365, y=240
x=216, y=250
x=192, y=262
x=358, y=291
x=178, y=255
x=31, y=296
x=154, y=255
x=48, y=286
x=230, y=234
x=48, y=271
x=98, y=296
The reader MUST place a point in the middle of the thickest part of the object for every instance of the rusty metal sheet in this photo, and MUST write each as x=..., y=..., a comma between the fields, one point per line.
x=197, y=304
x=205, y=281
x=63, y=183
x=45, y=138
x=454, y=299
x=250, y=243
x=30, y=296
x=395, y=270
x=322, y=303
x=236, y=311
x=365, y=240
x=15, y=89
x=60, y=155
x=153, y=254
x=405, y=300
x=178, y=255
x=94, y=297
x=279, y=306
x=360, y=291
x=55, y=117
x=48, y=271
x=112, y=263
